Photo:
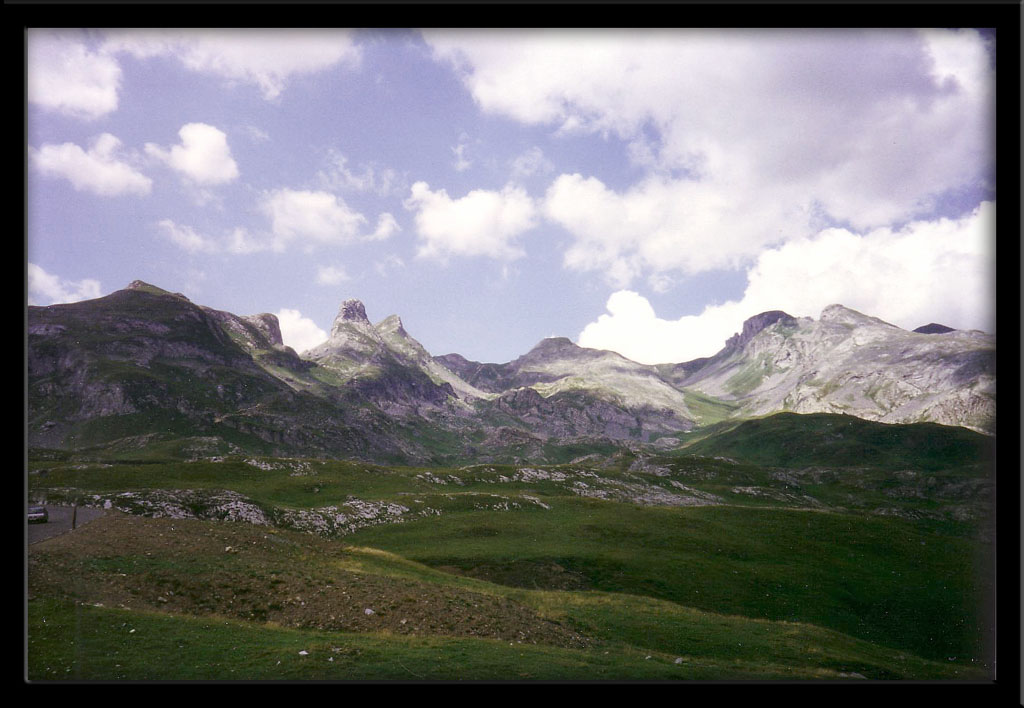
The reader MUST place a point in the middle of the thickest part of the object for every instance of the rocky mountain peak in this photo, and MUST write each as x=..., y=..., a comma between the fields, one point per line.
x=551, y=346
x=756, y=324
x=142, y=286
x=352, y=310
x=392, y=325
x=269, y=325
x=840, y=314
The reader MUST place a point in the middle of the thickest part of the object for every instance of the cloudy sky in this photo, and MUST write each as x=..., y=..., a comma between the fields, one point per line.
x=640, y=191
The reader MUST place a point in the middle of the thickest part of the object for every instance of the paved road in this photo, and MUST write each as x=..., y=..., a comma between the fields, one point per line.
x=60, y=521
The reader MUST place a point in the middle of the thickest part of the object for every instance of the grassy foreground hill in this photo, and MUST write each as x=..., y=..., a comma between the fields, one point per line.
x=621, y=567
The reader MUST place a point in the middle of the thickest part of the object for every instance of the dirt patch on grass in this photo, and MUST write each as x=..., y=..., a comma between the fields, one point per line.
x=259, y=575
x=529, y=574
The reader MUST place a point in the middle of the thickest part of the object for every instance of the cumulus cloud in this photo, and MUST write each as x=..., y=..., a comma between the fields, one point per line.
x=664, y=224
x=64, y=75
x=203, y=155
x=482, y=223
x=331, y=275
x=46, y=288
x=929, y=271
x=266, y=58
x=80, y=75
x=749, y=137
x=315, y=217
x=298, y=332
x=238, y=241
x=102, y=169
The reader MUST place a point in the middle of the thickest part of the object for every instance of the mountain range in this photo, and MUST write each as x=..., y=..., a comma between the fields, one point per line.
x=144, y=368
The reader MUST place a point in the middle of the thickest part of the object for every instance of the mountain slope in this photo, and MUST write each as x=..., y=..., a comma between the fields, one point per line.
x=795, y=440
x=144, y=364
x=848, y=362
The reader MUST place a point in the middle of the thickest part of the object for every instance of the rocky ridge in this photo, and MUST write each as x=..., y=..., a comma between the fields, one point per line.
x=373, y=391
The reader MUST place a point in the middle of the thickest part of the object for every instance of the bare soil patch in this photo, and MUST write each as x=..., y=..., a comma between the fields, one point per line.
x=283, y=578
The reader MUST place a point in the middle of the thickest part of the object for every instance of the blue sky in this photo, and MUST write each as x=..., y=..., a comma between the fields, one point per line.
x=641, y=191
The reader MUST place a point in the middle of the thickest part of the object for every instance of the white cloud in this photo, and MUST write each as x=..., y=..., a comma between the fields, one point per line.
x=388, y=265
x=64, y=75
x=319, y=218
x=929, y=271
x=46, y=289
x=238, y=241
x=331, y=275
x=663, y=224
x=266, y=58
x=370, y=177
x=750, y=137
x=482, y=223
x=462, y=163
x=531, y=162
x=256, y=134
x=386, y=227
x=310, y=216
x=187, y=238
x=298, y=332
x=203, y=155
x=100, y=170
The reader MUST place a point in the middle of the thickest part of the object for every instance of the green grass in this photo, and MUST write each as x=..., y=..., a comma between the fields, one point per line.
x=757, y=587
x=790, y=439
x=76, y=642
x=882, y=580
x=749, y=377
x=631, y=637
x=707, y=409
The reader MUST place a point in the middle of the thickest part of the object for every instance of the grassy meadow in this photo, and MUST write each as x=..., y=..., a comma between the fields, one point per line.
x=682, y=568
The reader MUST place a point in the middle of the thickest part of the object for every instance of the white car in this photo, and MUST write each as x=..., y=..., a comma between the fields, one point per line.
x=37, y=515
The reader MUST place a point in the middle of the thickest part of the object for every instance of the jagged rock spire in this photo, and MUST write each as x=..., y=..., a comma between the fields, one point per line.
x=754, y=325
x=350, y=312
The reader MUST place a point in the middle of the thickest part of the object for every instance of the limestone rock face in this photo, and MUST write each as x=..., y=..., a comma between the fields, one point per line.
x=269, y=326
x=755, y=324
x=351, y=311
x=848, y=362
x=147, y=361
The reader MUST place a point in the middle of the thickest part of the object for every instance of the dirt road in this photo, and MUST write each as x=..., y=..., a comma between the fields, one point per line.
x=60, y=521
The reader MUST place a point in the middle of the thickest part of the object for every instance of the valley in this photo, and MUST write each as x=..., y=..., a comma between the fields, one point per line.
x=366, y=511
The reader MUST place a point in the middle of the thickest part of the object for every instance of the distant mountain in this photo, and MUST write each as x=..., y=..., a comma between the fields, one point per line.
x=144, y=367
x=848, y=362
x=934, y=328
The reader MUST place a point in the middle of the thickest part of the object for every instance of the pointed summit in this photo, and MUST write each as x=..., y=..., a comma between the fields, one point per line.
x=756, y=324
x=350, y=312
x=841, y=314
x=392, y=324
x=145, y=287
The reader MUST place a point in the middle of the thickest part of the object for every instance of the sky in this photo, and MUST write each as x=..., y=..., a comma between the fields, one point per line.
x=642, y=191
